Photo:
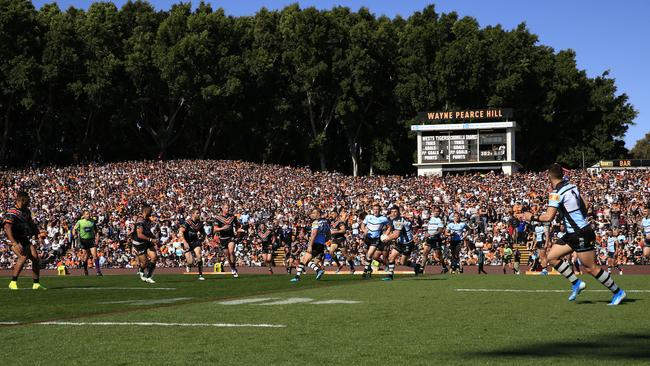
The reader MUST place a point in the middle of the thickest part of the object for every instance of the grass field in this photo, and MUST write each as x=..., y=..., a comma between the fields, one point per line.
x=339, y=320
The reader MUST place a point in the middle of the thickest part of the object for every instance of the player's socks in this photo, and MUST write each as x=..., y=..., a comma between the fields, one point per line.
x=607, y=281
x=199, y=264
x=301, y=268
x=567, y=271
x=151, y=266
x=85, y=266
x=336, y=260
x=609, y=269
x=97, y=267
x=351, y=264
x=391, y=268
x=313, y=266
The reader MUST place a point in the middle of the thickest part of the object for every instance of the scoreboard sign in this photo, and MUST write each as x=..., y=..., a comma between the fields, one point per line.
x=453, y=147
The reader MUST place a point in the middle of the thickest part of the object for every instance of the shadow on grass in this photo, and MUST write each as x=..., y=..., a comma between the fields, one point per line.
x=617, y=346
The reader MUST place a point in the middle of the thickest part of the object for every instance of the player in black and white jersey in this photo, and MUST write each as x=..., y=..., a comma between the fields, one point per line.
x=565, y=200
x=226, y=229
x=144, y=242
x=191, y=234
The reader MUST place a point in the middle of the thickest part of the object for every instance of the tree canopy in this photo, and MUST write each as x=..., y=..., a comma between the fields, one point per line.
x=332, y=89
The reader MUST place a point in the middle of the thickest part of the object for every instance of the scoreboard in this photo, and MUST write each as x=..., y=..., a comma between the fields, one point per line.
x=466, y=147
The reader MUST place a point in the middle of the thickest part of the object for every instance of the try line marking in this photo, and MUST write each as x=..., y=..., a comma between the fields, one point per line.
x=517, y=290
x=146, y=324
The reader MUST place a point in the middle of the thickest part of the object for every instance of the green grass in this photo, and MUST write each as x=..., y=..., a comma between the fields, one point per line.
x=415, y=321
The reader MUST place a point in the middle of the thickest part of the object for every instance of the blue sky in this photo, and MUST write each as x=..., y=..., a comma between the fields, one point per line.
x=606, y=34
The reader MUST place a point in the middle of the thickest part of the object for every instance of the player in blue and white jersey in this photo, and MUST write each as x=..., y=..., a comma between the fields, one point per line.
x=400, y=229
x=565, y=200
x=645, y=224
x=541, y=236
x=320, y=235
x=456, y=231
x=612, y=251
x=434, y=240
x=373, y=226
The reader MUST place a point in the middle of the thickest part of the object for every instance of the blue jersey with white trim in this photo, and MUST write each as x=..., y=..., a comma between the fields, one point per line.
x=404, y=226
x=433, y=225
x=646, y=225
x=456, y=230
x=322, y=228
x=567, y=198
x=375, y=225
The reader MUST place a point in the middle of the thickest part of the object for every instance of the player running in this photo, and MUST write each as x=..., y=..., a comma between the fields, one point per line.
x=320, y=234
x=373, y=226
x=226, y=228
x=612, y=252
x=339, y=229
x=456, y=231
x=88, y=235
x=286, y=237
x=267, y=239
x=144, y=243
x=645, y=224
x=191, y=234
x=541, y=236
x=566, y=201
x=20, y=228
x=400, y=230
x=434, y=240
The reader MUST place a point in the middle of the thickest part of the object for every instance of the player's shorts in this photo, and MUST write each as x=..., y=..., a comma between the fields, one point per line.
x=455, y=243
x=193, y=245
x=404, y=248
x=25, y=244
x=374, y=242
x=340, y=241
x=647, y=243
x=317, y=249
x=539, y=244
x=142, y=247
x=224, y=242
x=435, y=242
x=507, y=259
x=86, y=244
x=580, y=242
x=611, y=255
x=267, y=249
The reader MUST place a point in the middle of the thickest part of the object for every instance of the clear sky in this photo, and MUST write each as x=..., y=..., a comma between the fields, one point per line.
x=606, y=34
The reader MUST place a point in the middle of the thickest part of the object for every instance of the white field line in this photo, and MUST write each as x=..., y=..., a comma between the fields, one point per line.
x=246, y=301
x=534, y=291
x=103, y=288
x=8, y=323
x=145, y=324
x=329, y=302
x=289, y=301
x=147, y=301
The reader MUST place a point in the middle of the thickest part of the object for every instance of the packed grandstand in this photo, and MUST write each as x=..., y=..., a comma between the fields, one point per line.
x=282, y=196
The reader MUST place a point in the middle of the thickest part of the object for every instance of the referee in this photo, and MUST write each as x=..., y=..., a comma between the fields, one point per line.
x=86, y=231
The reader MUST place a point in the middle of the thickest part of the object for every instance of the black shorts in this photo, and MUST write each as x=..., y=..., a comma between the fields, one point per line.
x=193, y=245
x=374, y=242
x=317, y=250
x=435, y=242
x=454, y=244
x=507, y=260
x=142, y=247
x=225, y=241
x=580, y=242
x=539, y=244
x=267, y=249
x=611, y=255
x=404, y=248
x=647, y=243
x=86, y=244
x=340, y=242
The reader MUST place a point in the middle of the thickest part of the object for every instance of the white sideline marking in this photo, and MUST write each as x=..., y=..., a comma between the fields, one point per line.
x=9, y=323
x=289, y=301
x=246, y=301
x=219, y=325
x=328, y=302
x=516, y=290
x=147, y=301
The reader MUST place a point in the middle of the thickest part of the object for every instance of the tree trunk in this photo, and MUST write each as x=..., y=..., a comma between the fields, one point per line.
x=208, y=140
x=5, y=136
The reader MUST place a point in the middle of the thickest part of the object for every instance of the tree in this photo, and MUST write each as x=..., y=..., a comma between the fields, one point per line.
x=641, y=149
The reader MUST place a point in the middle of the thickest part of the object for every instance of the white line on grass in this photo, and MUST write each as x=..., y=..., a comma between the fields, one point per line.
x=8, y=323
x=104, y=288
x=328, y=302
x=518, y=290
x=217, y=325
x=246, y=301
x=289, y=301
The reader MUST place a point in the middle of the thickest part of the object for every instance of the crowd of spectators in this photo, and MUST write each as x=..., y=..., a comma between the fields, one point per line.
x=282, y=196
